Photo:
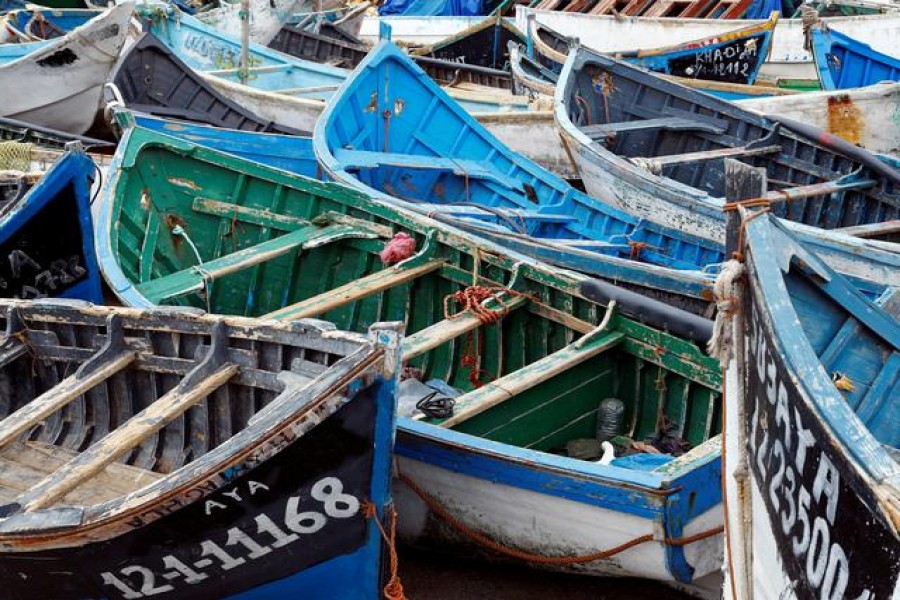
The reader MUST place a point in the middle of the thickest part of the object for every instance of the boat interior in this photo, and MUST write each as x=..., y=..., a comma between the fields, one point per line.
x=527, y=365
x=683, y=135
x=96, y=403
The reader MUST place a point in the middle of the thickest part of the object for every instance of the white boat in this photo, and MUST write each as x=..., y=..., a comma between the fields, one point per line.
x=417, y=31
x=869, y=116
x=266, y=16
x=788, y=59
x=810, y=457
x=59, y=85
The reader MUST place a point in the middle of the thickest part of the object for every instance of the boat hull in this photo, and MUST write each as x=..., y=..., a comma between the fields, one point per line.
x=176, y=530
x=66, y=76
x=539, y=508
x=788, y=58
x=869, y=117
x=810, y=489
x=266, y=17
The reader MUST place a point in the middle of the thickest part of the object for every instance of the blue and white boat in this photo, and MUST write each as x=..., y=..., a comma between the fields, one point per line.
x=657, y=150
x=412, y=145
x=274, y=77
x=812, y=433
x=65, y=75
x=46, y=229
x=843, y=62
x=36, y=23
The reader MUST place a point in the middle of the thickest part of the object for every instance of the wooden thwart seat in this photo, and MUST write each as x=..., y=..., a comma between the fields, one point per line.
x=704, y=155
x=508, y=386
x=24, y=465
x=443, y=331
x=362, y=159
x=137, y=429
x=602, y=130
x=870, y=230
x=355, y=290
x=194, y=279
x=818, y=189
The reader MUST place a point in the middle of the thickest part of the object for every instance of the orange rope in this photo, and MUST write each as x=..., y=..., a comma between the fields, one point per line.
x=738, y=254
x=393, y=589
x=471, y=299
x=482, y=539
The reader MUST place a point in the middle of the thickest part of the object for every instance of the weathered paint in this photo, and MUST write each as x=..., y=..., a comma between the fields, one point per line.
x=66, y=98
x=788, y=58
x=867, y=116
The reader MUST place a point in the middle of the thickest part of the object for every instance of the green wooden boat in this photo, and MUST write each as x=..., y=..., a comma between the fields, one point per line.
x=528, y=365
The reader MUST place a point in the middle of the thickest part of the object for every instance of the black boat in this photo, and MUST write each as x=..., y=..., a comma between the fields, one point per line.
x=168, y=454
x=150, y=78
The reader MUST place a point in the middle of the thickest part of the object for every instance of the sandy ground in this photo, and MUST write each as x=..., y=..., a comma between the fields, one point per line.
x=428, y=576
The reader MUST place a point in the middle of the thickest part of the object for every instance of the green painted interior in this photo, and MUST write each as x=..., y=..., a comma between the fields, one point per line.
x=226, y=205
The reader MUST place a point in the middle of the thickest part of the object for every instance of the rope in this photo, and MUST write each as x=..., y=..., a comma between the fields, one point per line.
x=15, y=156
x=809, y=17
x=472, y=299
x=482, y=539
x=727, y=295
x=393, y=589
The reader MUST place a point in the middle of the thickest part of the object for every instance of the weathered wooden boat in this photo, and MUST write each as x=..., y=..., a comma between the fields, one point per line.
x=150, y=78
x=191, y=456
x=656, y=149
x=46, y=228
x=484, y=44
x=292, y=108
x=292, y=153
x=325, y=49
x=66, y=76
x=266, y=17
x=530, y=76
x=416, y=31
x=843, y=62
x=274, y=73
x=731, y=57
x=36, y=23
x=866, y=116
x=812, y=437
x=341, y=21
x=19, y=131
x=788, y=59
x=435, y=159
x=259, y=241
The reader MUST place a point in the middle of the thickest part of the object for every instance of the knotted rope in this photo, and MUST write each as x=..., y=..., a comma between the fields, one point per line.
x=472, y=300
x=393, y=589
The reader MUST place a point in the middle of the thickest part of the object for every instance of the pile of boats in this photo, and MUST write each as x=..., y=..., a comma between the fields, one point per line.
x=278, y=296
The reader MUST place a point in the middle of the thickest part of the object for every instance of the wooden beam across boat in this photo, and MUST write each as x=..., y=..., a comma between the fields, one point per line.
x=355, y=290
x=443, y=331
x=690, y=157
x=509, y=386
x=213, y=372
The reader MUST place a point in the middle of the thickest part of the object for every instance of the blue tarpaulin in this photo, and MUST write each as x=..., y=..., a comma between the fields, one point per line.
x=761, y=9
x=428, y=8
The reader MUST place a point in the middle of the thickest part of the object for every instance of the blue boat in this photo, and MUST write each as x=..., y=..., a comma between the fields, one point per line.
x=842, y=62
x=812, y=427
x=658, y=150
x=418, y=148
x=36, y=23
x=733, y=57
x=292, y=153
x=47, y=233
x=214, y=53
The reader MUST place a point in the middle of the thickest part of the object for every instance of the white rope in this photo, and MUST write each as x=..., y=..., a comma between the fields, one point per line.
x=727, y=293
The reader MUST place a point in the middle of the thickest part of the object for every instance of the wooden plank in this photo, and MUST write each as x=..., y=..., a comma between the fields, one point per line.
x=742, y=182
x=355, y=290
x=361, y=159
x=818, y=189
x=602, y=130
x=704, y=155
x=443, y=331
x=58, y=396
x=508, y=386
x=246, y=214
x=871, y=230
x=194, y=279
x=107, y=450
